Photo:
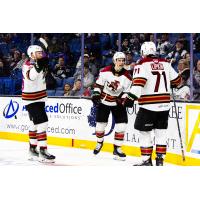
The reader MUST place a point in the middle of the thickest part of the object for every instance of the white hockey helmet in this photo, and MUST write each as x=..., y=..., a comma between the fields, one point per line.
x=118, y=55
x=33, y=49
x=148, y=48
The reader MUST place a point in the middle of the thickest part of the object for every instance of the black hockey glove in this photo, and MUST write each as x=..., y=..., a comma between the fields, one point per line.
x=128, y=102
x=41, y=64
x=120, y=101
x=96, y=99
x=172, y=86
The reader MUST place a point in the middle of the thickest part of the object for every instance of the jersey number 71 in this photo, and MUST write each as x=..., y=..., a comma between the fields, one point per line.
x=157, y=73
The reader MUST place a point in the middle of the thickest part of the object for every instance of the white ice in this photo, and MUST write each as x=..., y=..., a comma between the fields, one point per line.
x=16, y=153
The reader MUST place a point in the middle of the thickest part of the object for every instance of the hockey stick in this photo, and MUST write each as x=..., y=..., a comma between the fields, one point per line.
x=178, y=125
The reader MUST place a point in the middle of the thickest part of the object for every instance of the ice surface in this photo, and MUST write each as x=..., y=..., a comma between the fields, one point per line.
x=16, y=153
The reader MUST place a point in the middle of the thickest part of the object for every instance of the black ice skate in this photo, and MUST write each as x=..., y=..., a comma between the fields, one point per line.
x=98, y=148
x=159, y=161
x=44, y=156
x=33, y=153
x=145, y=163
x=118, y=154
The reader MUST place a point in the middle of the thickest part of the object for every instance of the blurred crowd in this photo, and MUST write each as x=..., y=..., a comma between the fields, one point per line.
x=65, y=73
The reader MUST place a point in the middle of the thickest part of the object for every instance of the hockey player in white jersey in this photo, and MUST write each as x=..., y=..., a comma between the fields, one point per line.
x=34, y=96
x=110, y=89
x=152, y=79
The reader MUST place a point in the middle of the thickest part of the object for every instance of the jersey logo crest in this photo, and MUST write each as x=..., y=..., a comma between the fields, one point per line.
x=114, y=85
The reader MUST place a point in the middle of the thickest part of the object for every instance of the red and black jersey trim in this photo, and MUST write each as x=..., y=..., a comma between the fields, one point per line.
x=42, y=136
x=161, y=149
x=146, y=151
x=34, y=95
x=32, y=135
x=139, y=81
x=108, y=97
x=99, y=134
x=107, y=69
x=119, y=136
x=154, y=99
x=176, y=81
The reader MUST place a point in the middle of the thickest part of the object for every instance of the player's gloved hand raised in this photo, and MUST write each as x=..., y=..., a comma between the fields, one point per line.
x=96, y=99
x=41, y=64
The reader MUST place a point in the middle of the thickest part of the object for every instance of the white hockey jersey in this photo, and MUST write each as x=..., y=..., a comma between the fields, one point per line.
x=152, y=78
x=111, y=84
x=33, y=84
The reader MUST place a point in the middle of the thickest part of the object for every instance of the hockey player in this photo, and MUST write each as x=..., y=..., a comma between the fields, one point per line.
x=152, y=78
x=111, y=87
x=34, y=96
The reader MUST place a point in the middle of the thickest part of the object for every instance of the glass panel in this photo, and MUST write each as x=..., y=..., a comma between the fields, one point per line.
x=196, y=64
x=65, y=58
x=12, y=55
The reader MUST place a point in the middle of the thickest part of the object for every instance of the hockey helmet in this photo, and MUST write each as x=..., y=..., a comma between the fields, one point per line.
x=148, y=48
x=33, y=49
x=118, y=55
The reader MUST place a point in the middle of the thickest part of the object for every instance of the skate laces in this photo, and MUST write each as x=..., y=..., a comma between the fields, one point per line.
x=98, y=146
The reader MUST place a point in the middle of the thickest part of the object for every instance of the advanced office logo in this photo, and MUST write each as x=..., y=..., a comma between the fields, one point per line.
x=11, y=110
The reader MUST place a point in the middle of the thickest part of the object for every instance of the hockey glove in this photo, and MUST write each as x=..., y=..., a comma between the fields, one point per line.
x=120, y=101
x=96, y=99
x=41, y=64
x=128, y=102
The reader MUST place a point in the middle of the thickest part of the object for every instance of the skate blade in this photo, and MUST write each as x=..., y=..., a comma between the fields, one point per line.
x=33, y=158
x=95, y=154
x=141, y=165
x=119, y=158
x=43, y=160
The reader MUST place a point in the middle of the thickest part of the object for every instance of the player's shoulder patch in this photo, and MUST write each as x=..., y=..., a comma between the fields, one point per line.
x=107, y=69
x=143, y=60
x=27, y=63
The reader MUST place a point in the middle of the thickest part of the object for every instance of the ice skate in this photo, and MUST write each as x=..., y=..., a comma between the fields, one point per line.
x=33, y=153
x=147, y=162
x=46, y=157
x=98, y=148
x=118, y=154
x=159, y=161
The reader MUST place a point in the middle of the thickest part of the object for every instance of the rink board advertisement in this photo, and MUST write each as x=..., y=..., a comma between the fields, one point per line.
x=74, y=119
